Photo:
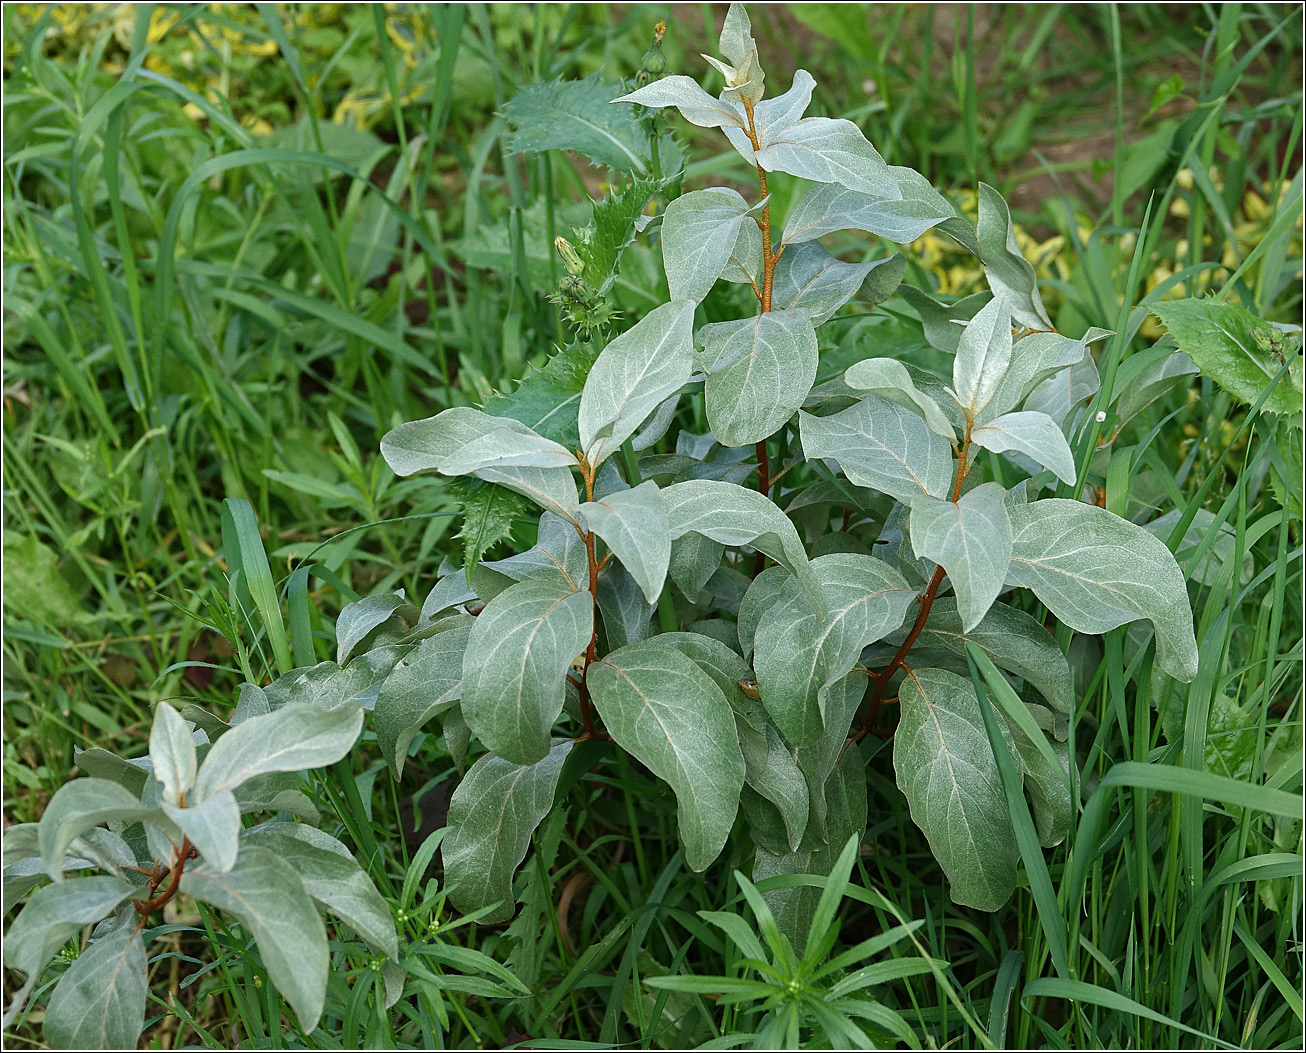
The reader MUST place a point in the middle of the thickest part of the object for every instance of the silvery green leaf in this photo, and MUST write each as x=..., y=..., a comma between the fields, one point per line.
x=983, y=355
x=1096, y=571
x=829, y=151
x=172, y=752
x=1014, y=640
x=101, y=764
x=735, y=516
x=1034, y=434
x=774, y=775
x=939, y=320
x=670, y=715
x=252, y=701
x=633, y=524
x=558, y=553
x=553, y=489
x=1137, y=388
x=883, y=446
x=491, y=817
x=329, y=686
x=694, y=104
x=745, y=262
x=971, y=539
x=745, y=82
x=517, y=656
x=946, y=769
x=78, y=806
x=808, y=276
x=695, y=446
x=764, y=591
x=449, y=591
x=359, y=618
x=657, y=426
x=626, y=613
x=457, y=737
x=632, y=375
x=1035, y=359
x=1062, y=392
x=771, y=117
x=798, y=658
x=428, y=444
x=263, y=892
x=1217, y=557
x=760, y=370
x=819, y=761
x=333, y=879
x=694, y=559
x=212, y=826
x=736, y=42
x=889, y=379
x=1048, y=789
x=99, y=1002
x=699, y=230
x=426, y=682
x=56, y=912
x=1009, y=274
x=901, y=216
x=297, y=736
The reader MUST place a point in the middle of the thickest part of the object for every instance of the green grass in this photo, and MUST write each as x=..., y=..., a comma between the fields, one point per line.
x=194, y=312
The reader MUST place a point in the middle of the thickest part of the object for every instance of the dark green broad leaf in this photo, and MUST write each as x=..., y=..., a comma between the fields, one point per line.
x=263, y=892
x=735, y=516
x=578, y=115
x=808, y=276
x=971, y=539
x=671, y=716
x=699, y=231
x=633, y=524
x=1032, y=433
x=425, y=683
x=77, y=807
x=901, y=218
x=1048, y=788
x=297, y=736
x=333, y=878
x=633, y=375
x=799, y=657
x=548, y=400
x=694, y=559
x=212, y=826
x=517, y=656
x=946, y=768
x=491, y=817
x=1014, y=640
x=759, y=371
x=881, y=445
x=1009, y=273
x=1238, y=350
x=1096, y=571
x=825, y=150
x=99, y=1003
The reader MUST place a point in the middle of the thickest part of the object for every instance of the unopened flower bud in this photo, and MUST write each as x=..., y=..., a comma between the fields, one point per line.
x=570, y=258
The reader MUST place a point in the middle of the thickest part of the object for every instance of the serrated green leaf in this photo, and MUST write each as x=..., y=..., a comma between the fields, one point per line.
x=99, y=1003
x=613, y=228
x=577, y=115
x=491, y=817
x=946, y=769
x=672, y=717
x=548, y=400
x=488, y=515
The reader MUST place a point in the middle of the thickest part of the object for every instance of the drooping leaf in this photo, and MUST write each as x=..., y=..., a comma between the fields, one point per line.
x=764, y=591
x=699, y=230
x=633, y=523
x=426, y=445
x=772, y=774
x=1010, y=275
x=426, y=682
x=732, y=515
x=56, y=912
x=759, y=371
x=1095, y=571
x=946, y=768
x=1034, y=434
x=99, y=1003
x=694, y=104
x=333, y=878
x=577, y=115
x=901, y=217
x=694, y=559
x=297, y=736
x=212, y=826
x=820, y=759
x=264, y=893
x=359, y=618
x=1047, y=788
x=491, y=817
x=625, y=611
x=1238, y=350
x=829, y=151
x=983, y=355
x=633, y=375
x=890, y=380
x=1062, y=392
x=77, y=807
x=671, y=716
x=971, y=539
x=939, y=320
x=172, y=753
x=883, y=446
x=798, y=658
x=808, y=276
x=517, y=655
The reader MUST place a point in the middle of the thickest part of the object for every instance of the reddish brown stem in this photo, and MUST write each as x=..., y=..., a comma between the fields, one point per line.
x=583, y=689
x=147, y=907
x=768, y=278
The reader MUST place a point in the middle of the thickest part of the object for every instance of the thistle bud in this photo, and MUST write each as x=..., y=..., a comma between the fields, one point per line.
x=570, y=259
